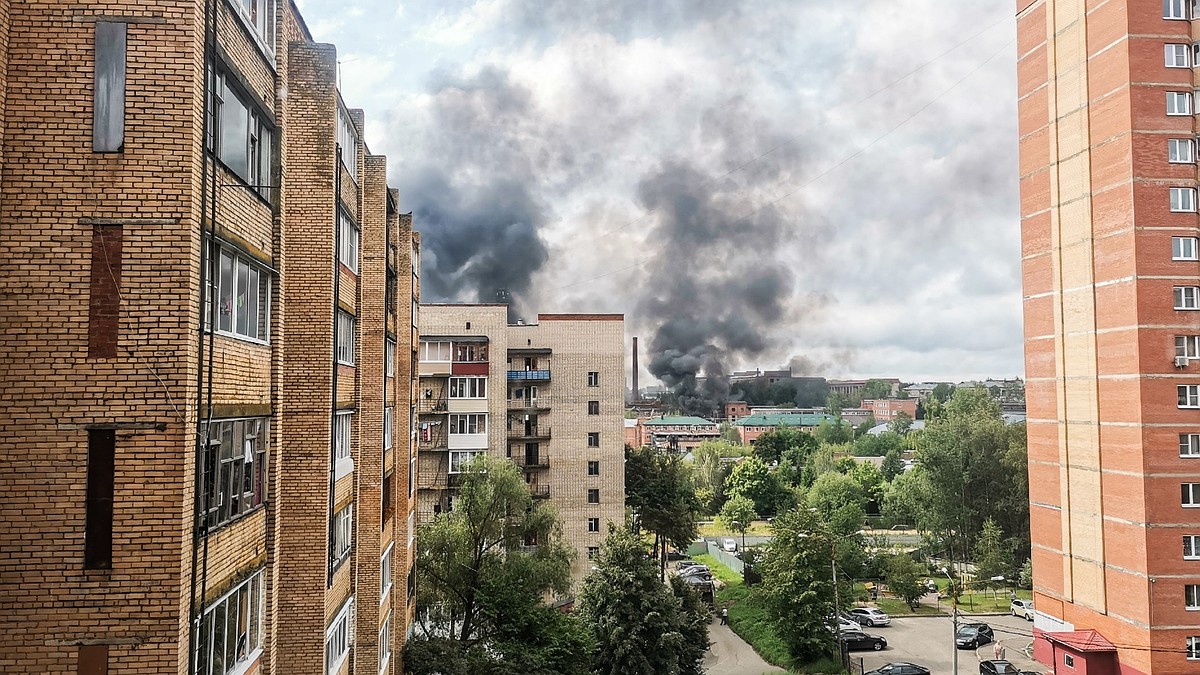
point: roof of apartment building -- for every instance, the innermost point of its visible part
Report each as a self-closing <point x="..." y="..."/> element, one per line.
<point x="678" y="421"/>
<point x="784" y="420"/>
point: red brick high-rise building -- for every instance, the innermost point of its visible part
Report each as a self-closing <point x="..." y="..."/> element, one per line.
<point x="1107" y="103"/>
<point x="207" y="313"/>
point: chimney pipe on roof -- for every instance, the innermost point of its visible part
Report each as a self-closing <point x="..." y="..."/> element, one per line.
<point x="635" y="396"/>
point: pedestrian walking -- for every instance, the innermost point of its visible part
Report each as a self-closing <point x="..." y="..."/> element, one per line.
<point x="998" y="651"/>
<point x="725" y="617"/>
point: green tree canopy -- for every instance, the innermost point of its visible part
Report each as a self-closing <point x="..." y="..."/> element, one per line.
<point x="774" y="444"/>
<point x="903" y="577"/>
<point x="901" y="423"/>
<point x="992" y="557"/>
<point x="752" y="479"/>
<point x="659" y="489"/>
<point x="832" y="433"/>
<point x="709" y="473"/>
<point x="875" y="389"/>
<point x="639" y="625"/>
<point x="877" y="445"/>
<point x="892" y="465"/>
<point x="738" y="513"/>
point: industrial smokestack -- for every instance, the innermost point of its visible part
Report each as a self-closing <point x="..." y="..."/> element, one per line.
<point x="636" y="396"/>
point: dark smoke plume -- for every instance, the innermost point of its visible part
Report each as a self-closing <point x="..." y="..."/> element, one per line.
<point x="715" y="284"/>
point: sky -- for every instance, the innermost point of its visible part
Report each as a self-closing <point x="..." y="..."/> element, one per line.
<point x="830" y="185"/>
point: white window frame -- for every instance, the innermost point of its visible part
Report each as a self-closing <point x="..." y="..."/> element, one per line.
<point x="1179" y="103"/>
<point x="436" y="351"/>
<point x="1188" y="395"/>
<point x="389" y="420"/>
<point x="385" y="643"/>
<point x="259" y="138"/>
<point x="1191" y="542"/>
<point x="1184" y="248"/>
<point x="1191" y="597"/>
<point x="385" y="573"/>
<point x="259" y="17"/>
<point x="1183" y="200"/>
<point x="258" y="278"/>
<point x="1189" y="495"/>
<point x="412" y="477"/>
<point x="348" y="236"/>
<point x="389" y="358"/>
<point x="339" y="637"/>
<point x="467" y="387"/>
<point x="468" y="423"/>
<point x="343" y="459"/>
<point x="1187" y="346"/>
<point x="252" y="591"/>
<point x="1187" y="297"/>
<point x="593" y="525"/>
<point x="347" y="139"/>
<point x="593" y="378"/>
<point x="342" y="540"/>
<point x="1176" y="55"/>
<point x="345" y="338"/>
<point x="412" y="529"/>
<point x="460" y="460"/>
<point x="1181" y="151"/>
<point x="1176" y="10"/>
<point x="1193" y="648"/>
<point x="1189" y="445"/>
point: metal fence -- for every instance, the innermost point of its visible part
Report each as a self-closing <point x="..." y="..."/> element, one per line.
<point x="726" y="559"/>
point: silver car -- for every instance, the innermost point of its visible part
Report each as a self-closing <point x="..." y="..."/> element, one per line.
<point x="1022" y="608"/>
<point x="870" y="616"/>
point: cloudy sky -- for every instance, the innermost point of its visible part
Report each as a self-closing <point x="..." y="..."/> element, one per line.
<point x="830" y="184"/>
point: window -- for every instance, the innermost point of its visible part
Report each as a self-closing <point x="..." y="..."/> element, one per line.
<point x="1181" y="150"/>
<point x="1191" y="597"/>
<point x="593" y="439"/>
<point x="1193" y="648"/>
<point x="1175" y="56"/>
<point x="1175" y="9"/>
<point x="1189" y="445"/>
<point x="98" y="509"/>
<point x="593" y="496"/>
<point x="470" y="352"/>
<point x="1190" y="494"/>
<point x="385" y="643"/>
<point x="387" y="498"/>
<point x="348" y="233"/>
<point x="1068" y="660"/>
<point x="1187" y="346"/>
<point x="461" y="459"/>
<point x="1189" y="395"/>
<point x="592" y="552"/>
<point x="468" y="387"/>
<point x="593" y="378"/>
<point x="593" y="407"/>
<point x="1183" y="200"/>
<point x="240" y="135"/>
<point x="385" y="573"/>
<point x="343" y="463"/>
<point x="474" y="423"/>
<point x="1187" y="297"/>
<point x="412" y="526"/>
<point x="108" y="103"/>
<point x="1179" y="103"/>
<point x="347" y="139"/>
<point x="343" y="535"/>
<point x="231" y="635"/>
<point x="345" y="338"/>
<point x="389" y="358"/>
<point x="242" y="288"/>
<point x="435" y="351"/>
<point x="593" y="468"/>
<point x="337" y="639"/>
<point x="412" y="477"/>
<point x="1183" y="248"/>
<point x="233" y="473"/>
<point x="389" y="417"/>
<point x="1191" y="547"/>
<point x="593" y="524"/>
<point x="259" y="17"/>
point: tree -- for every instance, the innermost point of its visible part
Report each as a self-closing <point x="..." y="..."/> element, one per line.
<point x="639" y="625"/>
<point x="903" y="577"/>
<point x="772" y="445"/>
<point x="942" y="392"/>
<point x="752" y="479"/>
<point x="991" y="559"/>
<point x="874" y="389"/>
<point x="1025" y="578"/>
<point x="730" y="433"/>
<point x="877" y="445"/>
<point x="836" y="403"/>
<point x="832" y="433"/>
<point x="475" y="575"/>
<point x="708" y="473"/>
<point x="907" y="499"/>
<point x="693" y="625"/>
<point x="900" y="423"/>
<point x="866" y="427"/>
<point x="659" y="490"/>
<point x="737" y="514"/>
<point x="871" y="481"/>
<point x="892" y="465"/>
<point x="796" y="586"/>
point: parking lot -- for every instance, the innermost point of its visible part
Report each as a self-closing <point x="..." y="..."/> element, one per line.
<point x="927" y="641"/>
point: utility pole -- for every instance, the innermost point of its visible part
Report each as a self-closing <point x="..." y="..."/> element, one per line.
<point x="954" y="614"/>
<point x="837" y="605"/>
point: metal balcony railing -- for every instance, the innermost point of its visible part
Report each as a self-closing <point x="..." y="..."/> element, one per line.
<point x="539" y="491"/>
<point x="527" y="460"/>
<point x="540" y="375"/>
<point x="431" y="440"/>
<point x="528" y="403"/>
<point x="431" y="405"/>
<point x="523" y="433"/>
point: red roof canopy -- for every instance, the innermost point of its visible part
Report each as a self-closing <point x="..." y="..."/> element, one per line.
<point x="1082" y="640"/>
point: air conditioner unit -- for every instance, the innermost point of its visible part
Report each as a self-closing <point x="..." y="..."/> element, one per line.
<point x="1181" y="361"/>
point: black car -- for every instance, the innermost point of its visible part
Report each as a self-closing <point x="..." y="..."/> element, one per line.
<point x="972" y="635"/>
<point x="899" y="668"/>
<point x="998" y="667"/>
<point x="856" y="639"/>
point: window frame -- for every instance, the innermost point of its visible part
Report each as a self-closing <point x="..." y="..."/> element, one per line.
<point x="593" y="525"/>
<point x="593" y="407"/>
<point x="1174" y="156"/>
<point x="341" y="541"/>
<point x="475" y="387"/>
<point x="252" y="592"/>
<point x="389" y="426"/>
<point x="385" y="643"/>
<point x="1191" y="442"/>
<point x="593" y="464"/>
<point x="389" y="358"/>
<point x="1176" y="10"/>
<point x="593" y="493"/>
<point x="349" y="239"/>
<point x="347" y="140"/>
<point x="214" y="297"/>
<point x="1189" y="495"/>
<point x="592" y="552"/>
<point x="1188" y="396"/>
<point x="1194" y="541"/>
<point x="259" y="22"/>
<point x="339" y="634"/>
<point x="1193" y="648"/>
<point x="1182" y="199"/>
<point x="425" y="348"/>
<point x="458" y="464"/>
<point x="219" y="505"/>
<point x="1186" y="298"/>
<point x="385" y="572"/>
<point x="1178" y="246"/>
<point x="261" y="132"/>
<point x="1191" y="597"/>
<point x="472" y="423"/>
<point x="346" y="327"/>
<point x="343" y="440"/>
<point x="593" y="378"/>
<point x="1179" y="103"/>
<point x="1171" y="54"/>
<point x="593" y="439"/>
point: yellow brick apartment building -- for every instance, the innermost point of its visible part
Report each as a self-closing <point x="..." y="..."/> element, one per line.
<point x="548" y="395"/>
<point x="208" y="303"/>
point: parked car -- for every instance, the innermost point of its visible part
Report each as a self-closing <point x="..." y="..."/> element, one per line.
<point x="899" y="668"/>
<point x="972" y="635"/>
<point x="729" y="545"/>
<point x="846" y="625"/>
<point x="870" y="616"/>
<point x="856" y="639"/>
<point x="684" y="564"/>
<point x="1022" y="608"/>
<point x="998" y="667"/>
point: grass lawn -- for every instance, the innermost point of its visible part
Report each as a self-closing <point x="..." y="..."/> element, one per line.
<point x="749" y="619"/>
<point x="758" y="528"/>
<point x="898" y="607"/>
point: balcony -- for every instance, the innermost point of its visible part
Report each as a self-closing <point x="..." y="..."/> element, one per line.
<point x="539" y="491"/>
<point x="432" y="439"/>
<point x="532" y="460"/>
<point x="431" y="406"/>
<point x="439" y="480"/>
<point x="527" y="404"/>
<point x="538" y="433"/>
<point x="541" y="375"/>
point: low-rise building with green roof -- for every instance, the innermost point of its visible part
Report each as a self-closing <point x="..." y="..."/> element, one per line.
<point x="753" y="426"/>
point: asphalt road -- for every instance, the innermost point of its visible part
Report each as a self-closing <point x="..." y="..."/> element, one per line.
<point x="927" y="641"/>
<point x="730" y="655"/>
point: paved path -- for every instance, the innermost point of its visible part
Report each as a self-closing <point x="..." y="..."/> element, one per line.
<point x="730" y="655"/>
